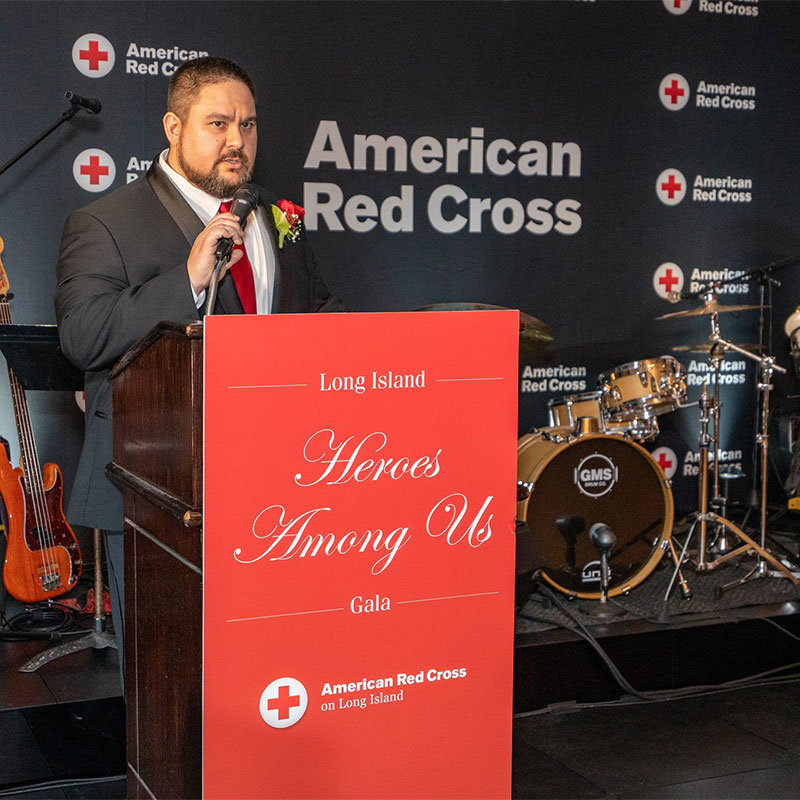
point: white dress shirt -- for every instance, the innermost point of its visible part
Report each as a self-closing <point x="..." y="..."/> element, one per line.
<point x="257" y="241"/>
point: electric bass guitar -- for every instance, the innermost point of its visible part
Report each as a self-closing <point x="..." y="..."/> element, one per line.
<point x="43" y="558"/>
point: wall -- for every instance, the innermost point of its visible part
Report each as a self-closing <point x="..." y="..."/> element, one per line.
<point x="572" y="231"/>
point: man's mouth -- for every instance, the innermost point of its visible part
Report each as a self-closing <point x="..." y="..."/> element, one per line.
<point x="234" y="160"/>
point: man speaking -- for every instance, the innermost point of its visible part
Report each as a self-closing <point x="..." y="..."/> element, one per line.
<point x="146" y="253"/>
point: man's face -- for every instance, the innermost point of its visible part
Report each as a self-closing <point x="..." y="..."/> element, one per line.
<point x="214" y="147"/>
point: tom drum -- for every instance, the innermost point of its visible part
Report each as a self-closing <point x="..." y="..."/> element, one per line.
<point x="644" y="389"/>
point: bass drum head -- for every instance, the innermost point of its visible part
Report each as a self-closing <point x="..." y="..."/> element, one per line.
<point x="594" y="479"/>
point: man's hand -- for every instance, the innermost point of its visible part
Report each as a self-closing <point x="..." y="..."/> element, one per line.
<point x="200" y="263"/>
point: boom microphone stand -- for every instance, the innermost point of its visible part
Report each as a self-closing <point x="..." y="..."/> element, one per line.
<point x="88" y="104"/>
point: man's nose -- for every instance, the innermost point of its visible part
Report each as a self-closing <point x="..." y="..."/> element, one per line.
<point x="234" y="139"/>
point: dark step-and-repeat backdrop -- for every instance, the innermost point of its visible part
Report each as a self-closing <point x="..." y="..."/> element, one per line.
<point x="577" y="160"/>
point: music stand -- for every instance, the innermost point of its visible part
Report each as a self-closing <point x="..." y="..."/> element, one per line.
<point x="34" y="353"/>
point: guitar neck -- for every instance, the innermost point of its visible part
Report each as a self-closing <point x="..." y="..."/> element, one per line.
<point x="29" y="458"/>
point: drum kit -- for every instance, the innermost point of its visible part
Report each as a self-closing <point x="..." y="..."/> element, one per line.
<point x="600" y="508"/>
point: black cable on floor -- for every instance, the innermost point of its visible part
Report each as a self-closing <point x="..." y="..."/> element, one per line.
<point x="65" y="783"/>
<point x="580" y="629"/>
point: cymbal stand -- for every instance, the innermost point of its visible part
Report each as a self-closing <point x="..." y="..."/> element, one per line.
<point x="719" y="502"/>
<point x="705" y="516"/>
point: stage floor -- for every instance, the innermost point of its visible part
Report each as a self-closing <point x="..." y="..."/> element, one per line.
<point x="579" y="730"/>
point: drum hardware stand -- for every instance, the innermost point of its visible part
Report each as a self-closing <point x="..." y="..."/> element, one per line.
<point x="704" y="516"/>
<point x="721" y="543"/>
<point x="686" y="592"/>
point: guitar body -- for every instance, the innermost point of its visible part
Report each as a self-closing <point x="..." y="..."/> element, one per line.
<point x="42" y="561"/>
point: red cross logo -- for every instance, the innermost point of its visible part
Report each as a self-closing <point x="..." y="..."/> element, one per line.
<point x="283" y="702"/>
<point x="677" y="6"/>
<point x="667" y="278"/>
<point x="671" y="187"/>
<point x="94" y="169"/>
<point x="666" y="459"/>
<point x="94" y="55"/>
<point x="673" y="91"/>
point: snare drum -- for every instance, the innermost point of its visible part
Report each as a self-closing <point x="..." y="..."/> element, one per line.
<point x="643" y="389"/>
<point x="580" y="481"/>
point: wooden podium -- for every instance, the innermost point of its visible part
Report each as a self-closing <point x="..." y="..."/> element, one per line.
<point x="158" y="464"/>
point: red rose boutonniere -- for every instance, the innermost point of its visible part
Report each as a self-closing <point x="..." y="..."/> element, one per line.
<point x="288" y="220"/>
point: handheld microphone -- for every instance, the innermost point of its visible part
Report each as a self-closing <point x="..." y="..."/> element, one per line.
<point x="91" y="105"/>
<point x="245" y="199"/>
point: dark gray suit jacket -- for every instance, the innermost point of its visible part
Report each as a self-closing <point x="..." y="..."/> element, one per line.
<point x="121" y="271"/>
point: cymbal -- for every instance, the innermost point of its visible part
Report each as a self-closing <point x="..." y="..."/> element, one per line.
<point x="712" y="307"/>
<point x="706" y="347"/>
<point x="533" y="333"/>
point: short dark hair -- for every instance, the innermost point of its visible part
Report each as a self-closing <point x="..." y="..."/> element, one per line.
<point x="188" y="80"/>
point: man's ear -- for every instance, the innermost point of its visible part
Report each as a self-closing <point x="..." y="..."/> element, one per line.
<point x="172" y="127"/>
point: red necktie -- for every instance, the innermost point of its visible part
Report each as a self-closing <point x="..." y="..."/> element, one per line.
<point x="242" y="272"/>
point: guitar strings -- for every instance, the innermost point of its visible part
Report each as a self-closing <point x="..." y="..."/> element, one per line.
<point x="35" y="484"/>
<point x="32" y="477"/>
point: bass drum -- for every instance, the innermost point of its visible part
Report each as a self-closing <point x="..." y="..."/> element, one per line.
<point x="578" y="482"/>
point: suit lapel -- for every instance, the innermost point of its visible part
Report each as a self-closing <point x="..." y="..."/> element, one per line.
<point x="180" y="211"/>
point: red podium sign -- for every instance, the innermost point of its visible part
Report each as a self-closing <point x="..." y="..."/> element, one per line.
<point x="360" y="489"/>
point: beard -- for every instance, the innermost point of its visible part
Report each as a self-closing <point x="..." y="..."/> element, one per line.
<point x="212" y="182"/>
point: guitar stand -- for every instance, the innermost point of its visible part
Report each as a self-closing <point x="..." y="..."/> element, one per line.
<point x="98" y="638"/>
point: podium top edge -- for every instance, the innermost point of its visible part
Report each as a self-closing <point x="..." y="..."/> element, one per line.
<point x="181" y="330"/>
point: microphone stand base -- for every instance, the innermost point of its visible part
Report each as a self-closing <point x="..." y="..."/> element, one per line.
<point x="600" y="610"/>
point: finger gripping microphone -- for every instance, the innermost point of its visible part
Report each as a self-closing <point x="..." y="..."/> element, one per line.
<point x="245" y="199"/>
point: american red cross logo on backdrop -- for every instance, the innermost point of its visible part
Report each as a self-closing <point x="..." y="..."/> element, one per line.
<point x="677" y="7"/>
<point x="671" y="187"/>
<point x="94" y="170"/>
<point x="667" y="278"/>
<point x="283" y="702"/>
<point x="674" y="91"/>
<point x="93" y="55"/>
<point x="666" y="459"/>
